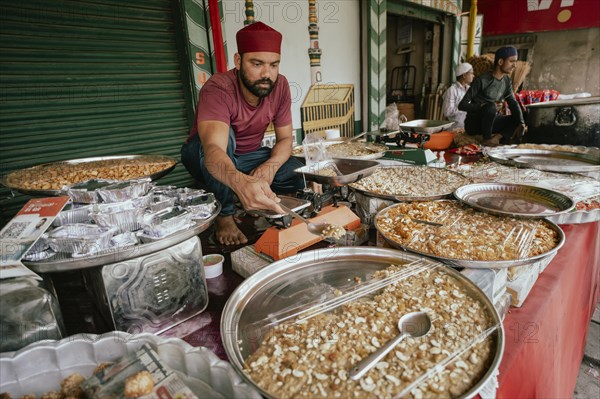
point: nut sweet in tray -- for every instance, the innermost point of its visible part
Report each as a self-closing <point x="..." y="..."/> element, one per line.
<point x="464" y="233"/>
<point x="311" y="358"/>
<point x="56" y="175"/>
<point x="419" y="181"/>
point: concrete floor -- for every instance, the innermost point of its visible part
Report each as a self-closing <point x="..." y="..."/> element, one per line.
<point x="588" y="380"/>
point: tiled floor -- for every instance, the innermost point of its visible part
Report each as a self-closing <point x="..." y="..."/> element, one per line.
<point x="588" y="380"/>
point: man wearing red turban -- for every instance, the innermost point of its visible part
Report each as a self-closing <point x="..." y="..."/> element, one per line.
<point x="224" y="150"/>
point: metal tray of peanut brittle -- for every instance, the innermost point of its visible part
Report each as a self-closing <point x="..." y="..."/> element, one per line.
<point x="13" y="180"/>
<point x="410" y="183"/>
<point x="289" y="292"/>
<point x="445" y="230"/>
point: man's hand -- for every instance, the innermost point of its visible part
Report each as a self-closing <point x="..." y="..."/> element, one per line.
<point x="255" y="193"/>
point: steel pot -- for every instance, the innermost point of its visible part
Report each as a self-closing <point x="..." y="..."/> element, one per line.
<point x="575" y="122"/>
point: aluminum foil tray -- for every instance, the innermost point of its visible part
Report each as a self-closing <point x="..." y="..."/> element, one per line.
<point x="338" y="172"/>
<point x="166" y="222"/>
<point x="547" y="160"/>
<point x="425" y="126"/>
<point x="124" y="191"/>
<point x="62" y="262"/>
<point x="314" y="279"/>
<point x="86" y="192"/>
<point x="410" y="183"/>
<point x="73" y="214"/>
<point x="40" y="367"/>
<point x="517" y="200"/>
<point x="80" y="238"/>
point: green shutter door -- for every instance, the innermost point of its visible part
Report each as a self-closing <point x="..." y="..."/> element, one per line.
<point x="88" y="78"/>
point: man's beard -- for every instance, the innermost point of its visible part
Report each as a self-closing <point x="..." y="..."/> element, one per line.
<point x="253" y="86"/>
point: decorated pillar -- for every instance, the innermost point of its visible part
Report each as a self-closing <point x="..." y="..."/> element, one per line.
<point x="314" y="52"/>
<point x="376" y="53"/>
<point x="249" y="12"/>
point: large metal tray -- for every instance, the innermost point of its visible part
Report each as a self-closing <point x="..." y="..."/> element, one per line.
<point x="149" y="158"/>
<point x="547" y="160"/>
<point x="424" y="126"/>
<point x="417" y="170"/>
<point x="307" y="276"/>
<point x="518" y="200"/>
<point x="350" y="170"/>
<point x="375" y="151"/>
<point x="576" y="217"/>
<point x="477" y="264"/>
<point x="63" y="262"/>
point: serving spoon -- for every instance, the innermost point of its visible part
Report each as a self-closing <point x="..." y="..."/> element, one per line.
<point x="415" y="324"/>
<point x="316" y="229"/>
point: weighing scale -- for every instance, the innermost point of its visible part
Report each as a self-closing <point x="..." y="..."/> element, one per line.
<point x="415" y="133"/>
<point x="287" y="236"/>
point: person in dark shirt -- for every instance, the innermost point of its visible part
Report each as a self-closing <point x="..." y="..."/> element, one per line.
<point x="485" y="97"/>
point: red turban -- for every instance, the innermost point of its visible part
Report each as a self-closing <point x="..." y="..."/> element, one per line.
<point x="258" y="37"/>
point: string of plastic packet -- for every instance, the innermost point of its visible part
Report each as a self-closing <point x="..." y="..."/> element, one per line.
<point x="454" y="356"/>
<point x="302" y="313"/>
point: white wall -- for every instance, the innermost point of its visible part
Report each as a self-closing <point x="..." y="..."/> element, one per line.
<point x="339" y="35"/>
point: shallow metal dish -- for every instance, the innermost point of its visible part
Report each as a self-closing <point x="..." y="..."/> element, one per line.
<point x="41" y="366"/>
<point x="302" y="280"/>
<point x="295" y="204"/>
<point x="411" y="197"/>
<point x="154" y="176"/>
<point x="477" y="264"/>
<point x="517" y="200"/>
<point x="63" y="262"/>
<point x="350" y="170"/>
<point x="547" y="160"/>
<point x="425" y="126"/>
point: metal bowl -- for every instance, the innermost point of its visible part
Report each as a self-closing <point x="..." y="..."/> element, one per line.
<point x="305" y="280"/>
<point x="51" y="192"/>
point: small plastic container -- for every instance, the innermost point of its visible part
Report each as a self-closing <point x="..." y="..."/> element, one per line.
<point x="213" y="265"/>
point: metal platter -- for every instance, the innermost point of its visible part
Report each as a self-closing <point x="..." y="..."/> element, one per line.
<point x="476" y="264"/>
<point x="516" y="200"/>
<point x="577" y="217"/>
<point x="427" y="126"/>
<point x="423" y="175"/>
<point x="309" y="277"/>
<point x="295" y="204"/>
<point x="547" y="160"/>
<point x="4" y="180"/>
<point x="340" y="172"/>
<point x="374" y="151"/>
<point x="63" y="262"/>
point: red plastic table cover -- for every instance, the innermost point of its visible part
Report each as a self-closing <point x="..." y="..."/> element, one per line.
<point x="545" y="338"/>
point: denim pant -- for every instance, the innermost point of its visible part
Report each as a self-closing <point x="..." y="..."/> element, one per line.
<point x="487" y="121"/>
<point x="192" y="157"/>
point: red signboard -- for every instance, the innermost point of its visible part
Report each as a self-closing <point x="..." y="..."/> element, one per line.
<point x="504" y="17"/>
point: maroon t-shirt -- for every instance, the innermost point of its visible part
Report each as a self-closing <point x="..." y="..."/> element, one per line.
<point x="221" y="99"/>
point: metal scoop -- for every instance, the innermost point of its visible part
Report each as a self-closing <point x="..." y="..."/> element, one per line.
<point x="316" y="229"/>
<point x="414" y="325"/>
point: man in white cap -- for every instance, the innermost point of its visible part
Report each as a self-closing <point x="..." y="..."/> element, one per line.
<point x="224" y="150"/>
<point x="456" y="92"/>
